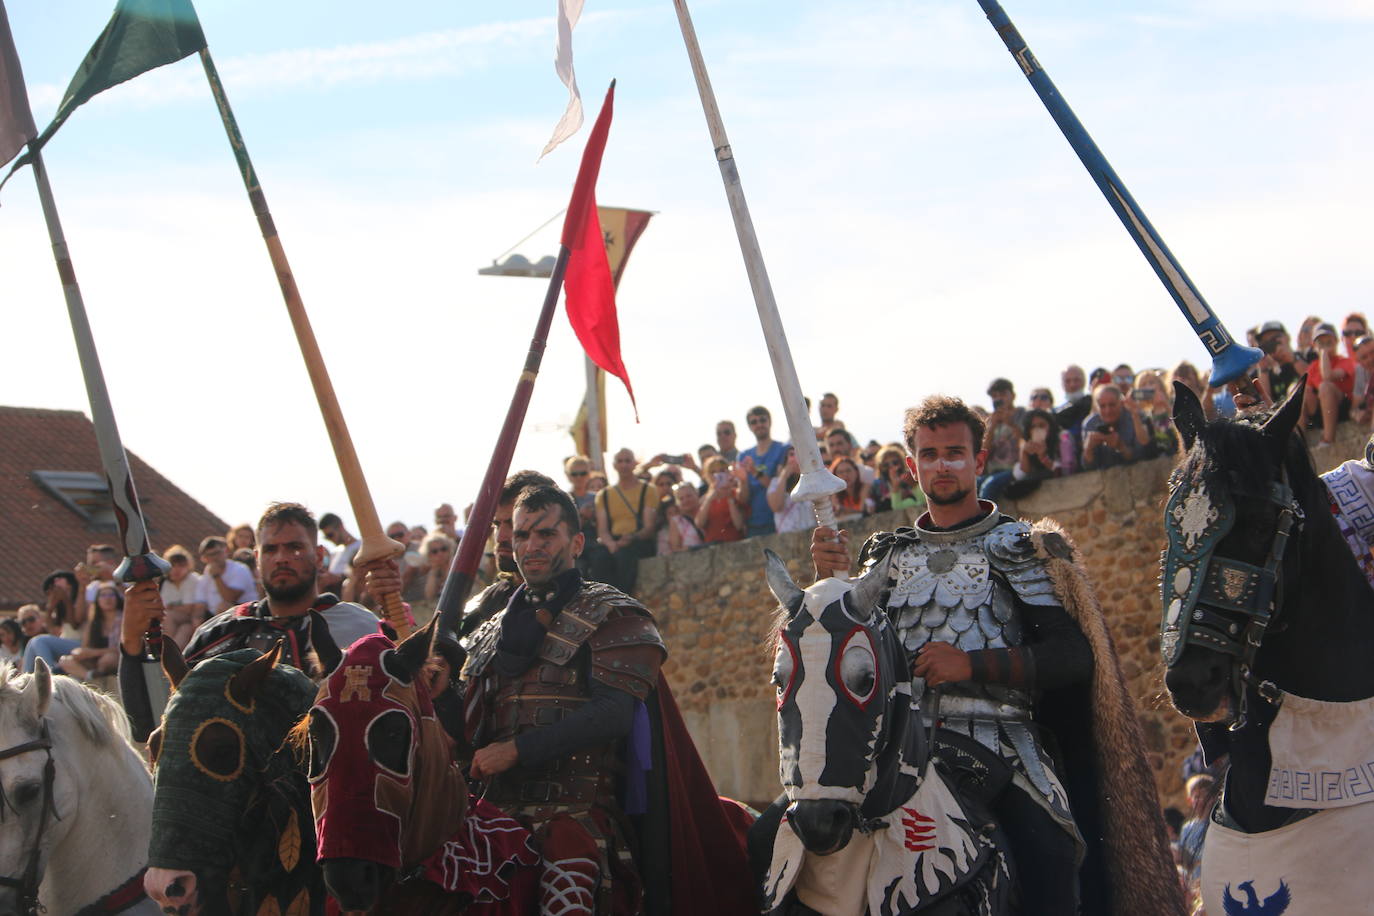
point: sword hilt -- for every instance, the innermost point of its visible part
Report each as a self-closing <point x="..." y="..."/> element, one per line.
<point x="144" y="567"/>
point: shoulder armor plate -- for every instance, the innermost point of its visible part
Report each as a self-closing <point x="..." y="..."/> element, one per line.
<point x="481" y="646"/>
<point x="881" y="543"/>
<point x="580" y="618"/>
<point x="627" y="652"/>
<point x="1012" y="554"/>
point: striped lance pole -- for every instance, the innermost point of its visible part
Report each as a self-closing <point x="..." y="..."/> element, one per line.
<point x="1230" y="359"/>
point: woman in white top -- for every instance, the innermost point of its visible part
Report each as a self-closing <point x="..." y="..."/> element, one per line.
<point x="789" y="514"/>
<point x="184" y="612"/>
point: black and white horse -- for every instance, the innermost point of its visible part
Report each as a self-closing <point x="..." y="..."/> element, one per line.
<point x="1265" y="613"/>
<point x="868" y="824"/>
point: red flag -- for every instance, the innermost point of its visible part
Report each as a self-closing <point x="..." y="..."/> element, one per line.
<point x="587" y="283"/>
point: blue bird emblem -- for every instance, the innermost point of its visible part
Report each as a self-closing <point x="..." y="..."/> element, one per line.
<point x="1273" y="905"/>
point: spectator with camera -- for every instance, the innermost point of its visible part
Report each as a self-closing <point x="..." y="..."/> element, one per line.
<point x="1330" y="385"/>
<point x="1152" y="400"/>
<point x="721" y="515"/>
<point x="1002" y="439"/>
<point x="789" y="514"/>
<point x="1113" y="433"/>
<point x="1353" y="328"/>
<point x="895" y="488"/>
<point x="1362" y="410"/>
<point x="1282" y="368"/>
<point x="760" y="463"/>
<point x="1039" y="450"/>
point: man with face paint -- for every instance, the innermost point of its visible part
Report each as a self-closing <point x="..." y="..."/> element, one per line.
<point x="988" y="637"/>
<point x="494" y="597"/>
<point x="314" y="627"/>
<point x="563" y="696"/>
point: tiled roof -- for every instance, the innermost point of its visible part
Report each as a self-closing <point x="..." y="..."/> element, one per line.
<point x="38" y="533"/>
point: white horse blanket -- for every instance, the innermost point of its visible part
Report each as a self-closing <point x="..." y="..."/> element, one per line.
<point x="1319" y="866"/>
<point x="925" y="849"/>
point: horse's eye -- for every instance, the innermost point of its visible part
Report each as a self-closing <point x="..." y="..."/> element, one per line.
<point x="388" y="742"/>
<point x="217" y="749"/>
<point x="155" y="745"/>
<point x="324" y="737"/>
<point x="858" y="669"/>
<point x="27" y="793"/>
<point x="784" y="669"/>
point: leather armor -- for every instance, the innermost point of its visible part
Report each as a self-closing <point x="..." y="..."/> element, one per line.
<point x="961" y="587"/>
<point x="600" y="635"/>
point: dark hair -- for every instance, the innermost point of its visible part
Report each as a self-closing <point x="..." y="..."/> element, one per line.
<point x="9" y="623"/>
<point x="542" y="496"/>
<point x="941" y="410"/>
<point x="211" y="543"/>
<point x="758" y="411"/>
<point x="329" y="520"/>
<point x="105" y="550"/>
<point x="279" y="514"/>
<point x="518" y="482"/>
<point x="50" y="578"/>
<point x="1173" y="818"/>
<point x="1000" y="384"/>
<point x="1035" y="413"/>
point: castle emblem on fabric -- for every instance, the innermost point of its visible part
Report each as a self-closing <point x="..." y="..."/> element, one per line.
<point x="1273" y="905"/>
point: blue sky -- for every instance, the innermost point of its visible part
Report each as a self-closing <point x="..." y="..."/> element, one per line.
<point x="926" y="227"/>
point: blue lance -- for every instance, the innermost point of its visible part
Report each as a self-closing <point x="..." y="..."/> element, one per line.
<point x="1229" y="358"/>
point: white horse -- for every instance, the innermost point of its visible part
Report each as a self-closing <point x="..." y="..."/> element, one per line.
<point x="75" y="800"/>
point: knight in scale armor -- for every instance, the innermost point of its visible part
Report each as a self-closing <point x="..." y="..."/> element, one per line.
<point x="978" y="600"/>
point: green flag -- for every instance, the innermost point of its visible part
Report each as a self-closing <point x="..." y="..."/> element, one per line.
<point x="142" y="35"/>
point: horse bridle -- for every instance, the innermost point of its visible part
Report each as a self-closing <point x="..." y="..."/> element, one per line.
<point x="27" y="884"/>
<point x="1223" y="585"/>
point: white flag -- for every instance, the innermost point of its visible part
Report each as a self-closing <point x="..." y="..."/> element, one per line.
<point x="569" y="11"/>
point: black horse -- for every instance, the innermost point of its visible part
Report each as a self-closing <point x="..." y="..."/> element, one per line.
<point x="1280" y="605"/>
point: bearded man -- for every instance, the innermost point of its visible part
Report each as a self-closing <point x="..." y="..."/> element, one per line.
<point x="1004" y="639"/>
<point x="578" y="738"/>
<point x="313" y="627"/>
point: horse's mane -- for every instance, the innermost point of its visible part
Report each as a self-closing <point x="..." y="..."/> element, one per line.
<point x="1235" y="450"/>
<point x="99" y="717"/>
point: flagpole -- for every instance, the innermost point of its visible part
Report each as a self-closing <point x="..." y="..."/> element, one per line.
<point x="463" y="573"/>
<point x="140" y="564"/>
<point x="816" y="484"/>
<point x="375" y="543"/>
<point x="595" y="447"/>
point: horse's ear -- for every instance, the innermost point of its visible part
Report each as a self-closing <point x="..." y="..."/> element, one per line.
<point x="1188" y="416"/>
<point x="1280" y="426"/>
<point x="414" y="650"/>
<point x="38" y="692"/>
<point x="780" y="582"/>
<point x="248" y="682"/>
<point x="173" y="663"/>
<point x="868" y="590"/>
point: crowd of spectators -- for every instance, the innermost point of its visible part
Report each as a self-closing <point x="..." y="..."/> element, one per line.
<point x="669" y="503"/>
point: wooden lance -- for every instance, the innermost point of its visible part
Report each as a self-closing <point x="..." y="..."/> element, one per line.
<point x="816" y="484"/>
<point x="463" y="573"/>
<point x="1230" y="359"/>
<point x="140" y="564"/>
<point x="375" y="544"/>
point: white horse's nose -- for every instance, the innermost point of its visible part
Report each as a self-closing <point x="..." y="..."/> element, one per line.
<point x="173" y="890"/>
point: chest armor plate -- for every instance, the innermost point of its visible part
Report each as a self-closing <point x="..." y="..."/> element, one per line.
<point x="947" y="592"/>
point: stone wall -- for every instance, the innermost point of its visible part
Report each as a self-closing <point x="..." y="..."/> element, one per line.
<point x="714" y="610"/>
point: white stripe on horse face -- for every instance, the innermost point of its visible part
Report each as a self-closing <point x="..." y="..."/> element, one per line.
<point x="815" y="702"/>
